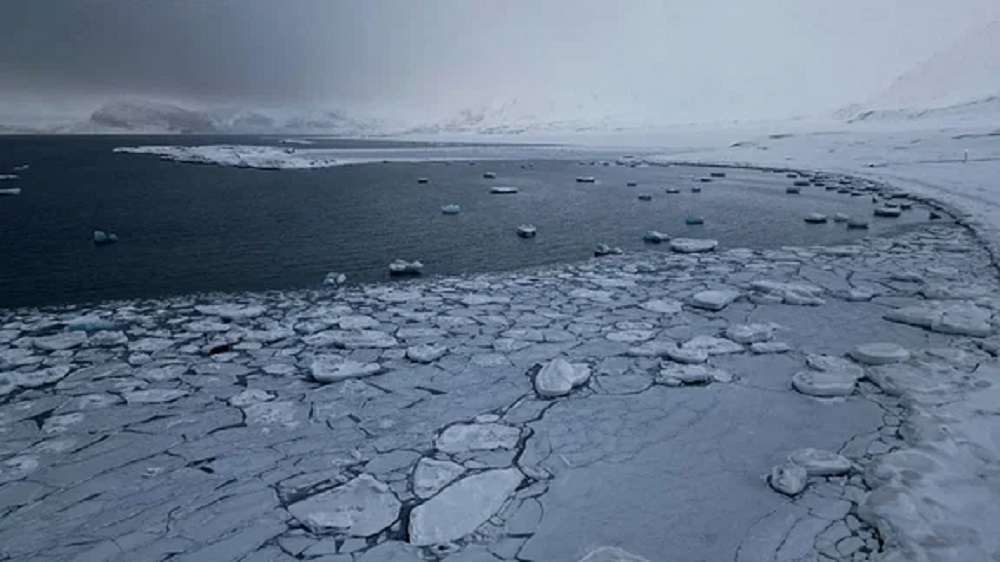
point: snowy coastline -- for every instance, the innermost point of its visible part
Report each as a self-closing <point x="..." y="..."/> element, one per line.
<point x="431" y="347"/>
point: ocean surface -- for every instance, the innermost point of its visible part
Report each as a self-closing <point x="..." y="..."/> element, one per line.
<point x="194" y="228"/>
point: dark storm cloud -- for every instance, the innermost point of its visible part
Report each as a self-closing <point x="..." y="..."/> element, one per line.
<point x="691" y="59"/>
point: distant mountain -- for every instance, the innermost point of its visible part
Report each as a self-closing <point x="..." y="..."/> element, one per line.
<point x="962" y="80"/>
<point x="153" y="117"/>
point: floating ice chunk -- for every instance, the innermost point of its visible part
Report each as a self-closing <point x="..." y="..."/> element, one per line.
<point x="604" y="250"/>
<point x="559" y="378"/>
<point x="694" y="220"/>
<point x="426" y="352"/>
<point x="461" y="508"/>
<point x="656" y="237"/>
<point x="489" y="175"/>
<point x="714" y="300"/>
<point x="857" y="224"/>
<point x="232" y="311"/>
<point x="101" y="237"/>
<point x="362" y="507"/>
<point x="503" y="190"/>
<point x="818" y="462"/>
<point x="423" y="180"/>
<point x="824" y="384"/>
<point x="815" y="218"/>
<point x="688" y="355"/>
<point x="692" y="245"/>
<point x="686" y="375"/>
<point x="10" y="191"/>
<point x="403" y="267"/>
<point x="662" y="306"/>
<point x="769" y="347"/>
<point x="585" y="179"/>
<point x="451" y="209"/>
<point x="887" y="212"/>
<point x="645" y="197"/>
<point x="334" y="279"/>
<point x="463" y="438"/>
<point x="794" y="190"/>
<point x="750" y="333"/>
<point x="526" y="231"/>
<point x="333" y="368"/>
<point x="879" y="353"/>
<point x="673" y="190"/>
<point x="431" y="475"/>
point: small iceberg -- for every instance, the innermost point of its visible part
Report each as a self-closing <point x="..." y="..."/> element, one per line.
<point x="857" y="224"/>
<point x="526" y="231"/>
<point x="800" y="183"/>
<point x="102" y="238"/>
<point x="705" y="180"/>
<point x="451" y="209"/>
<point x="21" y="168"/>
<point x="815" y="218"/>
<point x="718" y="174"/>
<point x="695" y="189"/>
<point x="9" y="176"/>
<point x="906" y="205"/>
<point x="334" y="279"/>
<point x="605" y="250"/>
<point x="423" y="180"/>
<point x="673" y="190"/>
<point x="490" y="175"/>
<point x="10" y="191"/>
<point x="631" y="184"/>
<point x="503" y="190"/>
<point x="888" y="212"/>
<point x="403" y="267"/>
<point x="793" y="190"/>
<point x="585" y="179"/>
<point x="645" y="197"/>
<point x="841" y="217"/>
<point x="656" y="237"/>
<point x="694" y="220"/>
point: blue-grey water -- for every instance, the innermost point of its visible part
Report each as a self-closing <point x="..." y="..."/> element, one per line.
<point x="188" y="228"/>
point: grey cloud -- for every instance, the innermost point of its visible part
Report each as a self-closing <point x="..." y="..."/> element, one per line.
<point x="672" y="60"/>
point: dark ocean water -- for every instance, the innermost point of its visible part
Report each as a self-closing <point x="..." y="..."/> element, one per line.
<point x="188" y="228"/>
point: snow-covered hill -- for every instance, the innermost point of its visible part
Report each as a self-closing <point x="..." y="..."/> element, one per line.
<point x="516" y="116"/>
<point x="960" y="83"/>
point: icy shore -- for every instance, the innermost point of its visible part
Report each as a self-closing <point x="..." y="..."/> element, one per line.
<point x="401" y="421"/>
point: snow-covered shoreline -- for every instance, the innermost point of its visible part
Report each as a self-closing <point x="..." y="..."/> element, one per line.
<point x="926" y="478"/>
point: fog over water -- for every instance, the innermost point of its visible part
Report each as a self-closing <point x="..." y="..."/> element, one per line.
<point x="652" y="60"/>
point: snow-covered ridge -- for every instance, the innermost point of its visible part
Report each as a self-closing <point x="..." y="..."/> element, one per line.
<point x="288" y="158"/>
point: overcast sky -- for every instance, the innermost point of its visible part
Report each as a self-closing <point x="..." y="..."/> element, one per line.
<point x="670" y="60"/>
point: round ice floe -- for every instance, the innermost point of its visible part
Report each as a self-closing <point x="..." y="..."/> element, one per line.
<point x="694" y="220"/>
<point x="789" y="479"/>
<point x="818" y="462"/>
<point x="824" y="384"/>
<point x="879" y="353"/>
<point x="687" y="355"/>
<point x="841" y="217"/>
<point x="857" y="224"/>
<point x="451" y="209"/>
<point x="692" y="245"/>
<point x="645" y="197"/>
<point x="815" y="218"/>
<point x="335" y="279"/>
